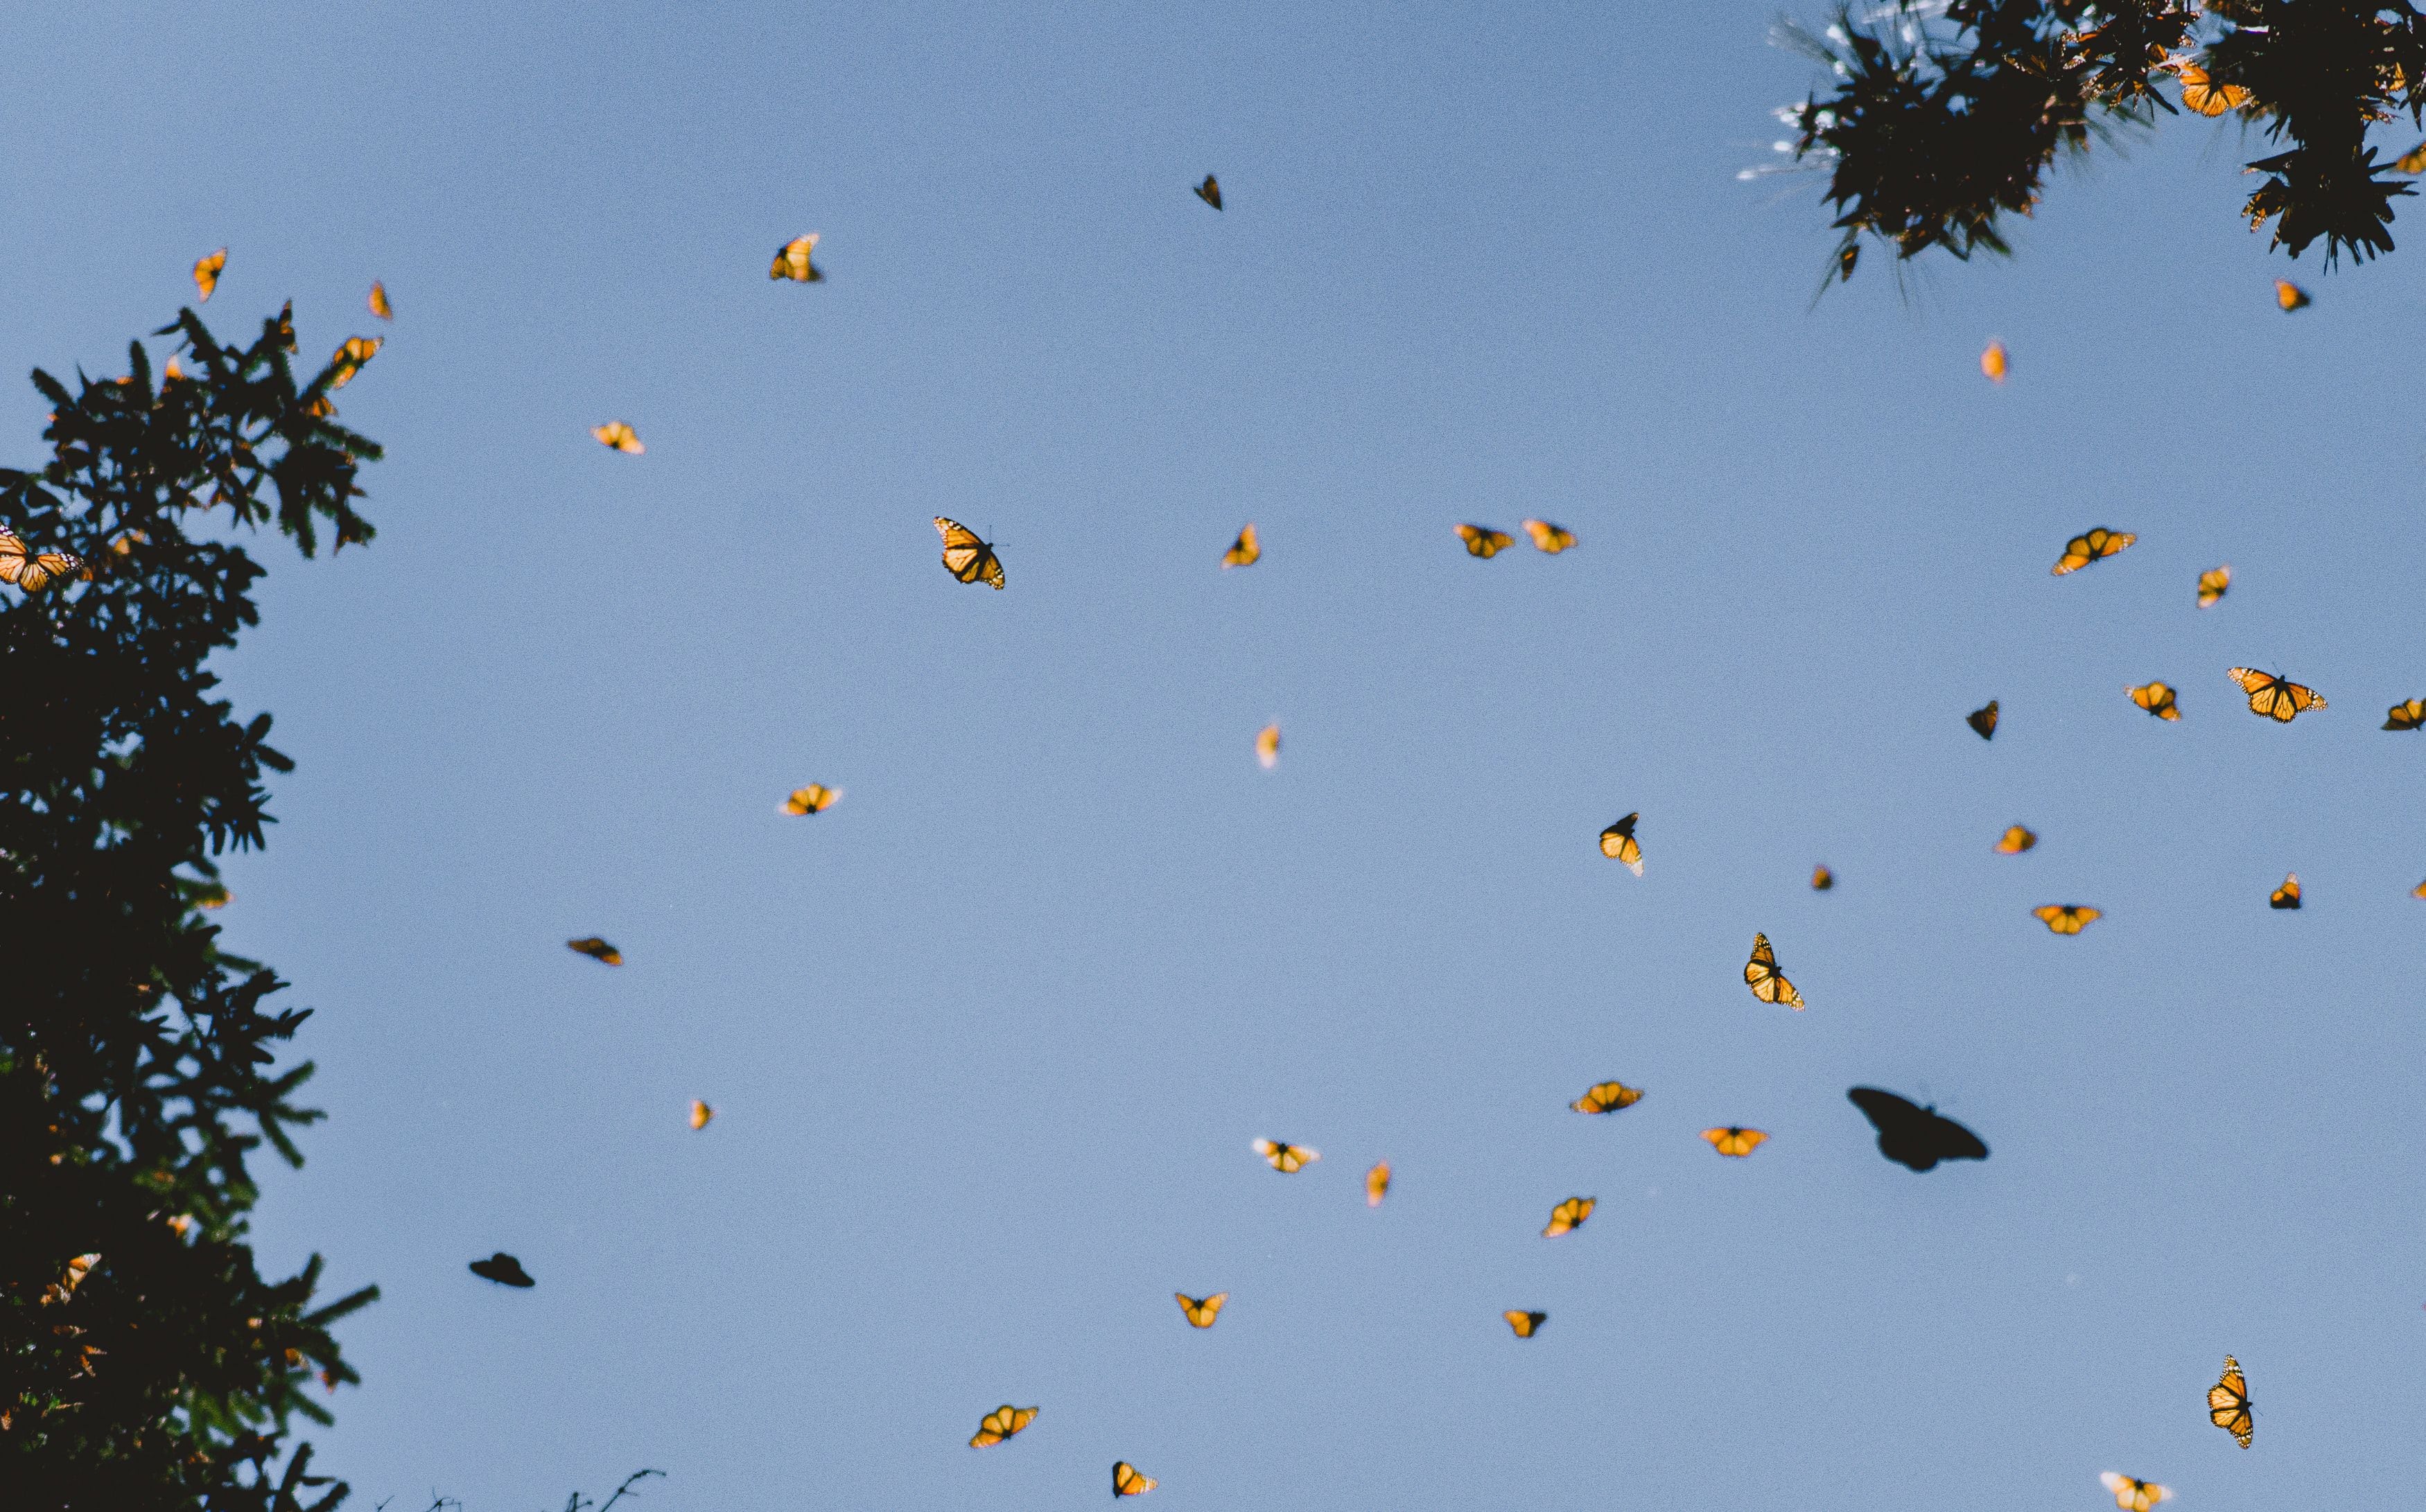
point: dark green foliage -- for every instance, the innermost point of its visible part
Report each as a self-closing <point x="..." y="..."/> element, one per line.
<point x="136" y="1057"/>
<point x="1944" y="120"/>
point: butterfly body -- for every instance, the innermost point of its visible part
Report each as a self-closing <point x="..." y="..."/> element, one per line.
<point x="207" y="273"/>
<point x="965" y="556"/>
<point x="2272" y="696"/>
<point x="1913" y="1136"/>
<point x="2133" y="1495"/>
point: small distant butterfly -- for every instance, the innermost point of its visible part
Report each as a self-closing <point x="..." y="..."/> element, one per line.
<point x="1244" y="551"/>
<point x="2212" y="584"/>
<point x="1548" y="537"/>
<point x="1002" y="1423"/>
<point x="792" y="261"/>
<point x="34" y="571"/>
<point x="618" y="436"/>
<point x="2015" y="841"/>
<point x="350" y="359"/>
<point x="2290" y="296"/>
<point x="2064" y="918"/>
<point x="2227" y="1402"/>
<point x="1287" y="1158"/>
<point x="1734" y="1141"/>
<point x="2287" y="896"/>
<point x="815" y="798"/>
<point x="2272" y="696"/>
<point x="1127" y="1481"/>
<point x="207" y="273"/>
<point x="1377" y="1184"/>
<point x="1994" y="363"/>
<point x="2203" y="94"/>
<point x="1761" y="976"/>
<point x="1481" y="541"/>
<point x="1201" y="1310"/>
<point x="2418" y="892"/>
<point x="1822" y="879"/>
<point x="1607" y="1097"/>
<point x="504" y="1269"/>
<point x="1983" y="720"/>
<point x="700" y="1114"/>
<point x="1210" y="192"/>
<point x="2136" y="1495"/>
<point x="2096" y="545"/>
<point x="2409" y="716"/>
<point x="1525" y="1322"/>
<point x="2157" y="697"/>
<point x="1569" y="1215"/>
<point x="213" y="895"/>
<point x="597" y="950"/>
<point x="1914" y="1136"/>
<point x="1267" y="747"/>
<point x="1618" y="844"/>
<point x="965" y="556"/>
<point x="2412" y="161"/>
<point x="378" y="304"/>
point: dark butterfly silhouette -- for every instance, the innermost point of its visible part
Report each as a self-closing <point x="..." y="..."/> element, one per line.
<point x="504" y="1269"/>
<point x="1210" y="192"/>
<point x="1914" y="1136"/>
<point x="1983" y="720"/>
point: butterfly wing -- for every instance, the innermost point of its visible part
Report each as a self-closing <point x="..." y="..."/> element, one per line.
<point x="1377" y="1184"/>
<point x="1245" y="550"/>
<point x="1210" y="192"/>
<point x="2409" y="716"/>
<point x="1984" y="721"/>
<point x="1128" y="1481"/>
<point x="1525" y="1322"/>
<point x="2287" y="896"/>
<point x="1618" y="844"/>
<point x="2227" y="1402"/>
<point x="207" y="273"/>
<point x="1548" y="537"/>
<point x="2212" y="584"/>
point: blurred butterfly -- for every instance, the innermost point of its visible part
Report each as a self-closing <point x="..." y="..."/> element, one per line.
<point x="2409" y="716"/>
<point x="1915" y="1137"/>
<point x="2015" y="841"/>
<point x="2287" y="896"/>
<point x="2227" y="1402"/>
<point x="1481" y="541"/>
<point x="2290" y="296"/>
<point x="597" y="950"/>
<point x="700" y="1114"/>
<point x="1377" y="1184"/>
<point x="1822" y="879"/>
<point x="1201" y="1310"/>
<point x="1618" y="844"/>
<point x="78" y="1268"/>
<point x="1287" y="1158"/>
<point x="2096" y="545"/>
<point x="2418" y="892"/>
<point x="620" y="436"/>
<point x="1983" y="720"/>
<point x="207" y="273"/>
<point x="378" y="304"/>
<point x="2134" y="1495"/>
<point x="1607" y="1097"/>
<point x="815" y="798"/>
<point x="1734" y="1141"/>
<point x="213" y="895"/>
<point x="792" y="261"/>
<point x="1267" y="747"/>
<point x="1244" y="551"/>
<point x="2274" y="697"/>
<point x="2203" y="94"/>
<point x="1548" y="537"/>
<point x="504" y="1269"/>
<point x="966" y="557"/>
<point x="1525" y="1322"/>
<point x="34" y="570"/>
<point x="1127" y="1481"/>
<point x="1002" y="1423"/>
<point x="1569" y="1215"/>
<point x="2064" y="918"/>
<point x="1761" y="976"/>
<point x="1992" y="361"/>
<point x="2212" y="584"/>
<point x="2412" y="161"/>
<point x="350" y="359"/>
<point x="2157" y="697"/>
<point x="1210" y="192"/>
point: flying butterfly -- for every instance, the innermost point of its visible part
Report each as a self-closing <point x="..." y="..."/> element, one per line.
<point x="1569" y="1215"/>
<point x="2064" y="918"/>
<point x="1822" y="879"/>
<point x="1285" y="1157"/>
<point x="2095" y="544"/>
<point x="2418" y="892"/>
<point x="966" y="557"/>
<point x="2015" y="841"/>
<point x="618" y="436"/>
<point x="2157" y="697"/>
<point x="213" y="895"/>
<point x="1761" y="976"/>
<point x="2290" y="297"/>
<point x="2412" y="161"/>
<point x="1000" y="1423"/>
<point x="2213" y="583"/>
<point x="1984" y="721"/>
<point x="2201" y="93"/>
<point x="1201" y="1310"/>
<point x="1377" y="1184"/>
<point x="1525" y="1322"/>
<point x="504" y="1269"/>
<point x="1607" y="1097"/>
<point x="2287" y="896"/>
<point x="597" y="950"/>
<point x="207" y="273"/>
<point x="1267" y="747"/>
<point x="1734" y="1141"/>
<point x="350" y="359"/>
<point x="2227" y="1402"/>
<point x="1210" y="192"/>
<point x="2274" y="697"/>
<point x="700" y="1114"/>
<point x="1913" y="1136"/>
<point x="1618" y="844"/>
<point x="2134" y="1495"/>
<point x="1994" y="363"/>
<point x="2409" y="716"/>
<point x="377" y="301"/>
<point x="34" y="571"/>
<point x="1243" y="552"/>
<point x="1548" y="537"/>
<point x="815" y="798"/>
<point x="792" y="261"/>
<point x="1127" y="1481"/>
<point x="1481" y="541"/>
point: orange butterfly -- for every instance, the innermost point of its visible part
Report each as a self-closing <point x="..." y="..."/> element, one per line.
<point x="2212" y="584"/>
<point x="2203" y="94"/>
<point x="1618" y="844"/>
<point x="792" y="261"/>
<point x="1127" y="1481"/>
<point x="2157" y="699"/>
<point x="1210" y="192"/>
<point x="2227" y="1402"/>
<point x="1548" y="537"/>
<point x="207" y="273"/>
<point x="1734" y="1141"/>
<point x="1569" y="1215"/>
<point x="378" y="304"/>
<point x="350" y="359"/>
<point x="1002" y="1423"/>
<point x="1984" y="721"/>
<point x="618" y="436"/>
<point x="1201" y="1310"/>
<point x="2095" y="544"/>
<point x="1244" y="551"/>
<point x="2287" y="896"/>
<point x="2015" y="841"/>
<point x="2064" y="918"/>
<point x="597" y="950"/>
<point x="1525" y="1322"/>
<point x="2290" y="296"/>
<point x="815" y="798"/>
<point x="34" y="570"/>
<point x="700" y="1114"/>
<point x="1267" y="747"/>
<point x="1377" y="1184"/>
<point x="1481" y="541"/>
<point x="1761" y="976"/>
<point x="2409" y="716"/>
<point x="1822" y="879"/>
<point x="1608" y="1097"/>
<point x="2274" y="697"/>
<point x="1287" y="1158"/>
<point x="1994" y="363"/>
<point x="2134" y="1495"/>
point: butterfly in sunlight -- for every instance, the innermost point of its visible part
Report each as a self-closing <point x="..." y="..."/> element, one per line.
<point x="2418" y="892"/>
<point x="2274" y="697"/>
<point x="2157" y="697"/>
<point x="2213" y="583"/>
<point x="1377" y="1184"/>
<point x="615" y="434"/>
<point x="504" y="1269"/>
<point x="2203" y="94"/>
<point x="2015" y="841"/>
<point x="2289" y="297"/>
<point x="2287" y="896"/>
<point x="1994" y="363"/>
<point x="1002" y="1423"/>
<point x="2094" y="545"/>
<point x="1243" y="552"/>
<point x="815" y="798"/>
<point x="1822" y="879"/>
<point x="1548" y="537"/>
<point x="377" y="301"/>
<point x="1761" y="976"/>
<point x="1481" y="541"/>
<point x="207" y="271"/>
<point x="2064" y="918"/>
<point x="1525" y="1322"/>
<point x="1984" y="721"/>
<point x="1267" y="747"/>
<point x="350" y="359"/>
<point x="2409" y="716"/>
<point x="1618" y="844"/>
<point x="34" y="571"/>
<point x="1127" y="1481"/>
<point x="1569" y="1215"/>
<point x="1201" y="1310"/>
<point x="1913" y="1136"/>
<point x="966" y="557"/>
<point x="1285" y="1157"/>
<point x="213" y="895"/>
<point x="1210" y="192"/>
<point x="2134" y="1495"/>
<point x="597" y="950"/>
<point x="2412" y="161"/>
<point x="1734" y="1141"/>
<point x="1607" y="1097"/>
<point x="792" y="261"/>
<point x="2227" y="1402"/>
<point x="700" y="1114"/>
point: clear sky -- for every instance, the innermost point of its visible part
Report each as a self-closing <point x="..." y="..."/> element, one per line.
<point x="990" y="1041"/>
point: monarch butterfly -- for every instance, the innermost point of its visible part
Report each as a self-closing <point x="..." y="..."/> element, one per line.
<point x="618" y="436"/>
<point x="377" y="301"/>
<point x="1548" y="537"/>
<point x="2212" y="584"/>
<point x="597" y="950"/>
<point x="2287" y="896"/>
<point x="792" y="261"/>
<point x="350" y="359"/>
<point x="1244" y="551"/>
<point x="1983" y="720"/>
<point x="1002" y="1423"/>
<point x="700" y="1114"/>
<point x="34" y="570"/>
<point x="1481" y="541"/>
<point x="1267" y="747"/>
<point x="1607" y="1097"/>
<point x="1734" y="1141"/>
<point x="2015" y="841"/>
<point x="78" y="1268"/>
<point x="1914" y="1136"/>
<point x="2227" y="1402"/>
<point x="1127" y="1481"/>
<point x="1992" y="361"/>
<point x="2290" y="296"/>
<point x="1210" y="192"/>
<point x="2409" y="716"/>
<point x="504" y="1269"/>
<point x="2134" y="1495"/>
<point x="1525" y="1322"/>
<point x="2064" y="918"/>
<point x="207" y="273"/>
<point x="1377" y="1184"/>
<point x="1822" y="879"/>
<point x="1201" y="1310"/>
<point x="1761" y="976"/>
<point x="966" y="557"/>
<point x="1617" y="843"/>
<point x="2097" y="543"/>
<point x="2201" y="93"/>
<point x="2157" y="697"/>
<point x="1287" y="1158"/>
<point x="815" y="798"/>
<point x="1569" y="1215"/>
<point x="2275" y="699"/>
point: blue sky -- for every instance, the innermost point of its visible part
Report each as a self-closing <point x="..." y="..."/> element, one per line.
<point x="990" y="1039"/>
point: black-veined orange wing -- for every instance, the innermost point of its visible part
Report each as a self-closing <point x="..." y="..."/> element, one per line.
<point x="1127" y="1480"/>
<point x="1481" y="541"/>
<point x="2095" y="544"/>
<point x="967" y="558"/>
<point x="1525" y="1322"/>
<point x="1618" y="844"/>
<point x="1002" y="1423"/>
<point x="2274" y="697"/>
<point x="1201" y="1310"/>
<point x="2064" y="918"/>
<point x="1983" y="720"/>
<point x="2157" y="697"/>
<point x="1569" y="1215"/>
<point x="1761" y="976"/>
<point x="2227" y="1402"/>
<point x="1607" y="1097"/>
